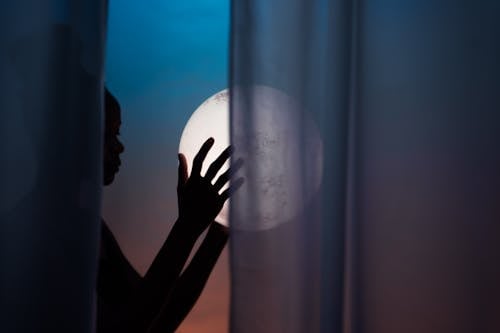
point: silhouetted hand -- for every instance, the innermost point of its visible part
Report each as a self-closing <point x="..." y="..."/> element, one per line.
<point x="198" y="199"/>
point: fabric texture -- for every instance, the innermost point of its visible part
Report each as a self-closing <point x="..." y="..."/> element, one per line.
<point x="370" y="132"/>
<point x="50" y="125"/>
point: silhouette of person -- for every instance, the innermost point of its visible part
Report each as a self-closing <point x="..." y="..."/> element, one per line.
<point x="161" y="299"/>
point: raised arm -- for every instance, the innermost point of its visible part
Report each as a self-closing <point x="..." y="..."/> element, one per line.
<point x="199" y="203"/>
<point x="192" y="281"/>
<point x="162" y="275"/>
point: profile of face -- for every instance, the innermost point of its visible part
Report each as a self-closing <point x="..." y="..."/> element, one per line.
<point x="112" y="145"/>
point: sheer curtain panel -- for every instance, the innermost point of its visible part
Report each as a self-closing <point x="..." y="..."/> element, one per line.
<point x="50" y="150"/>
<point x="370" y="132"/>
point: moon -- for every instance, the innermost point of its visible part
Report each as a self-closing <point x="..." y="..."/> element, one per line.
<point x="210" y="119"/>
<point x="280" y="146"/>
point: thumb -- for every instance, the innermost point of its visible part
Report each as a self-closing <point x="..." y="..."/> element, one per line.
<point x="183" y="171"/>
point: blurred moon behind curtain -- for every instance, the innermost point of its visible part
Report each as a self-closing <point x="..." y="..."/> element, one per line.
<point x="394" y="109"/>
<point x="52" y="55"/>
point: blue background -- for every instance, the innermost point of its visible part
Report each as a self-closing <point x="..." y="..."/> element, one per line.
<point x="163" y="59"/>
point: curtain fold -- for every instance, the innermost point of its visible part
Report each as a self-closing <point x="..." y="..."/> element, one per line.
<point x="289" y="119"/>
<point x="52" y="55"/>
<point x="370" y="132"/>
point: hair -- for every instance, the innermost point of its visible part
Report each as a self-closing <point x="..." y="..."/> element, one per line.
<point x="109" y="99"/>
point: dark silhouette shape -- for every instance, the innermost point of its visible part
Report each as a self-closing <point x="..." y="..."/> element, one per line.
<point x="161" y="299"/>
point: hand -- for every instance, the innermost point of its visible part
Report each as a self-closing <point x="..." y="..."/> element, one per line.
<point x="199" y="201"/>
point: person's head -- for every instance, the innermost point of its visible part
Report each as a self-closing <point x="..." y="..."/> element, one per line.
<point x="112" y="145"/>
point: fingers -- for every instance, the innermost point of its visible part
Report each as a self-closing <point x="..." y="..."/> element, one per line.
<point x="224" y="178"/>
<point x="217" y="164"/>
<point x="200" y="157"/>
<point x="183" y="171"/>
<point x="234" y="187"/>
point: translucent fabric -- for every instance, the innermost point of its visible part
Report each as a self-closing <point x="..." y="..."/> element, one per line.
<point x="370" y="136"/>
<point x="50" y="147"/>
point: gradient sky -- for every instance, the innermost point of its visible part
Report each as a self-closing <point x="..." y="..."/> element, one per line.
<point x="163" y="59"/>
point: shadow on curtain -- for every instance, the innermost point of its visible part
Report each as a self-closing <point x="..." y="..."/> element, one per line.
<point x="50" y="125"/>
<point x="370" y="132"/>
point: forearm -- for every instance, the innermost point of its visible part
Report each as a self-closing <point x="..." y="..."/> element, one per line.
<point x="172" y="256"/>
<point x="164" y="271"/>
<point x="191" y="283"/>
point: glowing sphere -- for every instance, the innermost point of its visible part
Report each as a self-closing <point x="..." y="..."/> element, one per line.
<point x="280" y="146"/>
<point x="210" y="119"/>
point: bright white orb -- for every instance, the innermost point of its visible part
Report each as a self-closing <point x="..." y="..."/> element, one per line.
<point x="279" y="143"/>
<point x="210" y="119"/>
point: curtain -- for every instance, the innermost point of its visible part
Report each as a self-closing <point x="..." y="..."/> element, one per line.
<point x="370" y="135"/>
<point x="50" y="147"/>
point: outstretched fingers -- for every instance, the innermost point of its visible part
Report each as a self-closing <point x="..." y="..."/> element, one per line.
<point x="218" y="163"/>
<point x="224" y="178"/>
<point x="200" y="157"/>
<point x="233" y="188"/>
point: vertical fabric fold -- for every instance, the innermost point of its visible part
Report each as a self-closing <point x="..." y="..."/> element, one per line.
<point x="51" y="178"/>
<point x="290" y="98"/>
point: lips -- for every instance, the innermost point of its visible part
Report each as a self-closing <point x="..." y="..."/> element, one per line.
<point x="115" y="164"/>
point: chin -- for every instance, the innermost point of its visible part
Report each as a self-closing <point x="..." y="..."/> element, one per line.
<point x="108" y="179"/>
